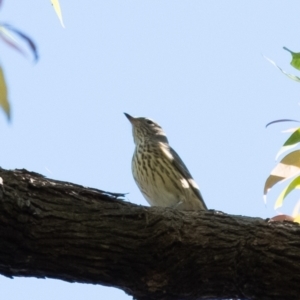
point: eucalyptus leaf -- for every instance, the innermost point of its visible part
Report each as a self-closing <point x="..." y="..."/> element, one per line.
<point x="3" y="95"/>
<point x="295" y="58"/>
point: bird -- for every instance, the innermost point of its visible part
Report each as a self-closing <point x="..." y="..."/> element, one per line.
<point x="158" y="170"/>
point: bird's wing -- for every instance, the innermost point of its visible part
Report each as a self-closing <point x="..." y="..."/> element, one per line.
<point x="171" y="154"/>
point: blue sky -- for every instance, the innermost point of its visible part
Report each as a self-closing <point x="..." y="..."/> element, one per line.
<point x="196" y="67"/>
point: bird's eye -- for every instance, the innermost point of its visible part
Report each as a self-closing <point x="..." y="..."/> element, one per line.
<point x="150" y="122"/>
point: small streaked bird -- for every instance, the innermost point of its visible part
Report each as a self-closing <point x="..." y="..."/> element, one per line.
<point x="159" y="172"/>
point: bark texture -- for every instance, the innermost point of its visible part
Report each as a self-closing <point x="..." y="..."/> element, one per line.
<point x="60" y="230"/>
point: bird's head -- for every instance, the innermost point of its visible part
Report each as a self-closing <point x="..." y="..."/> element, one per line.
<point x="144" y="129"/>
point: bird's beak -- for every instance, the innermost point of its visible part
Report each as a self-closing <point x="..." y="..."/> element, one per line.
<point x="130" y="118"/>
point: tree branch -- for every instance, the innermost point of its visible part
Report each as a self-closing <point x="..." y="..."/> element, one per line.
<point x="56" y="229"/>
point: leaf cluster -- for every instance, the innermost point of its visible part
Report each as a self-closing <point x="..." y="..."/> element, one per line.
<point x="13" y="37"/>
<point x="289" y="165"/>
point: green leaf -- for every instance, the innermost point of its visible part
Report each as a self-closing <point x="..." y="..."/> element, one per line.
<point x="295" y="58"/>
<point x="291" y="76"/>
<point x="294" y="184"/>
<point x="290" y="143"/>
<point x="3" y="95"/>
<point x="288" y="167"/>
<point x="293" y="139"/>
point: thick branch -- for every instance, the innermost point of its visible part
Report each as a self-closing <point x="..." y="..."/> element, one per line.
<point x="60" y="230"/>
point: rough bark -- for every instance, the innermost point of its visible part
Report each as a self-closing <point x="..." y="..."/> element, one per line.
<point x="56" y="229"/>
